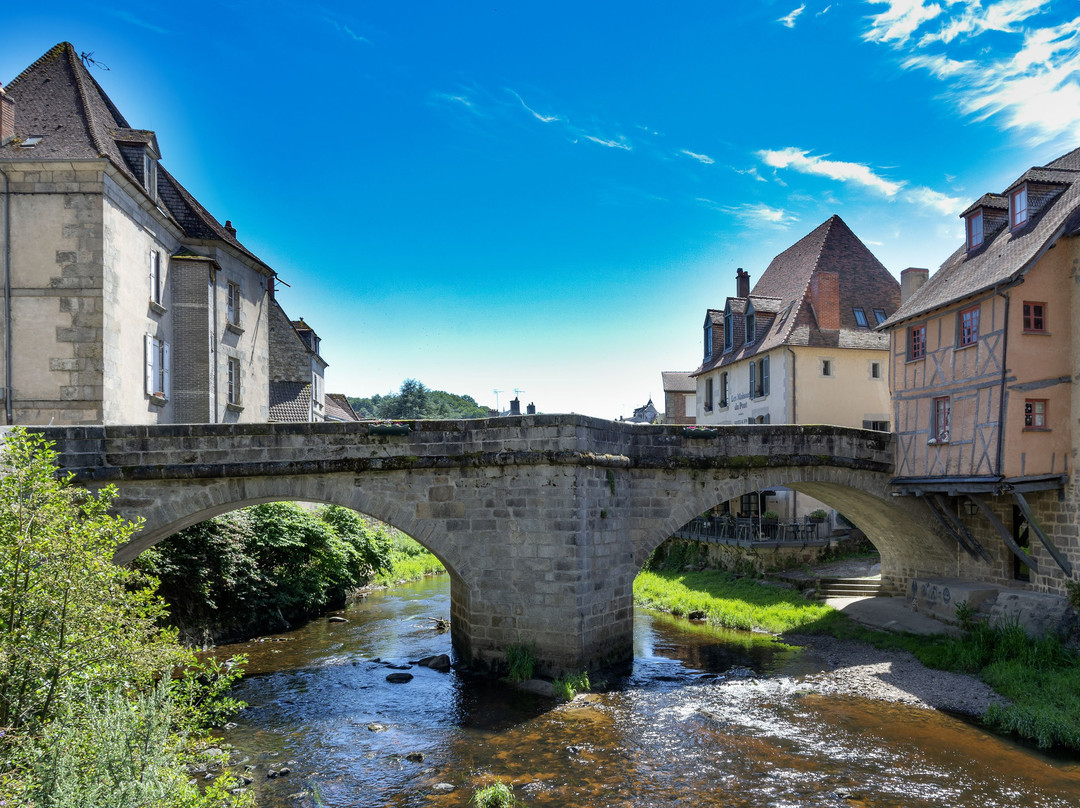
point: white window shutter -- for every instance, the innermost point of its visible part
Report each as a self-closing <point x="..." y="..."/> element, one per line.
<point x="166" y="381"/>
<point x="765" y="376"/>
<point x="150" y="352"/>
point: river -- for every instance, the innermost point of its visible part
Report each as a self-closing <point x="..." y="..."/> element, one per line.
<point x="706" y="718"/>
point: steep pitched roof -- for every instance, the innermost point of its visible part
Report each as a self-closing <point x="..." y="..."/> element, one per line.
<point x="58" y="99"/>
<point x="782" y="296"/>
<point x="290" y="401"/>
<point x="338" y="408"/>
<point x="678" y="381"/>
<point x="1008" y="254"/>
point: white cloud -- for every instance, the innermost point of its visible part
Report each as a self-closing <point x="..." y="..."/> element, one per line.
<point x="900" y="20"/>
<point x="929" y="198"/>
<point x="802" y="161"/>
<point x="535" y="114"/>
<point x="127" y="16"/>
<point x="611" y="144"/>
<point x="762" y="214"/>
<point x="824" y="11"/>
<point x="701" y="158"/>
<point x="750" y="172"/>
<point x="1001" y="16"/>
<point x="939" y="66"/>
<point x="789" y="20"/>
<point x="344" y="29"/>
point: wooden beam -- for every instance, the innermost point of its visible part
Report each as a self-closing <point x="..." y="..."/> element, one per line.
<point x="935" y="508"/>
<point x="961" y="529"/>
<point x="991" y="517"/>
<point x="1062" y="562"/>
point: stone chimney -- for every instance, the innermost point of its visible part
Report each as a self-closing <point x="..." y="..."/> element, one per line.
<point x="825" y="298"/>
<point x="911" y="280"/>
<point x="530" y="410"/>
<point x="229" y="228"/>
<point x="515" y="406"/>
<point x="7" y="117"/>
<point x="742" y="283"/>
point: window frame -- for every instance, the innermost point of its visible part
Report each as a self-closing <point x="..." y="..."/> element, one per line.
<point x="916" y="350"/>
<point x="751" y="327"/>
<point x="1028" y="318"/>
<point x="860" y="317"/>
<point x="941" y="425"/>
<point x="233" y="391"/>
<point x="880" y="316"/>
<point x="827" y="368"/>
<point x="967" y="333"/>
<point x="753" y="379"/>
<point x="875" y="370"/>
<point x="974" y="229"/>
<point x="729" y="331"/>
<point x="1018" y="207"/>
<point x="157" y="374"/>
<point x="157" y="289"/>
<point x="1031" y="413"/>
<point x="233" y="304"/>
<point x="724" y="389"/>
<point x="150" y="174"/>
<point x="708" y="341"/>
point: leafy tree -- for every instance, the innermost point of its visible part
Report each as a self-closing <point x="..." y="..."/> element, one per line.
<point x="411" y="400"/>
<point x="414" y="400"/>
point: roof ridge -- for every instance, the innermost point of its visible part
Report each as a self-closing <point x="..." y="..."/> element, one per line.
<point x="68" y="50"/>
<point x="55" y="50"/>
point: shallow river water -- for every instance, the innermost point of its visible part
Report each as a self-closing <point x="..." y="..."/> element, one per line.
<point x="706" y="718"/>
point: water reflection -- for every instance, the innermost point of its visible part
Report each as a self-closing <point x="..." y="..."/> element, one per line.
<point x="703" y="719"/>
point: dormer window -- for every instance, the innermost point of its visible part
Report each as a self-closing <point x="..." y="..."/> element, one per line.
<point x="150" y="174"/>
<point x="1018" y="207"/>
<point x="708" y="341"/>
<point x="974" y="230"/>
<point x="729" y="330"/>
<point x="860" y="317"/>
<point x="751" y="326"/>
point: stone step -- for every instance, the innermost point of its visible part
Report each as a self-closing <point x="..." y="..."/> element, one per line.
<point x="848" y="588"/>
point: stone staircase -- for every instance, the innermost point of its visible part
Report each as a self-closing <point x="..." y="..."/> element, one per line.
<point x="847" y="588"/>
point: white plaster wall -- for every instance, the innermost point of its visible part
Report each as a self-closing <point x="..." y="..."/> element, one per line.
<point x="741" y="407"/>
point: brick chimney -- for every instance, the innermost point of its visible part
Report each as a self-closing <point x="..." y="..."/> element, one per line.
<point x="825" y="298"/>
<point x="7" y="117"/>
<point x="742" y="283"/>
<point x="911" y="280"/>
<point x="515" y="406"/>
<point x="229" y="228"/>
<point x="531" y="409"/>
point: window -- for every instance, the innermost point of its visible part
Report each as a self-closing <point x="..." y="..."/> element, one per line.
<point x="150" y="175"/>
<point x="916" y="342"/>
<point x="763" y="419"/>
<point x="880" y="315"/>
<point x="157" y="374"/>
<point x="974" y="230"/>
<point x="724" y="389"/>
<point x="234" y="380"/>
<point x="30" y="142"/>
<point x="234" y="304"/>
<point x="860" y="317"/>
<point x="729" y="331"/>
<point x="763" y="377"/>
<point x="1018" y="207"/>
<point x="826" y="367"/>
<point x="317" y="390"/>
<point x="708" y="341"/>
<point x="877" y="426"/>
<point x="875" y="370"/>
<point x="751" y="327"/>
<point x="969" y="326"/>
<point x="1035" y="317"/>
<point x="156" y="291"/>
<point x="1035" y="414"/>
<point x="690" y="405"/>
<point x="942" y="417"/>
<point x="753" y="379"/>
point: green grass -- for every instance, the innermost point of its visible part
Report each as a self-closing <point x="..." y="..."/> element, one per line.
<point x="1041" y="677"/>
<point x="521" y="660"/>
<point x="409" y="561"/>
<point x="730" y="602"/>
<point x="496" y="795"/>
<point x="569" y="685"/>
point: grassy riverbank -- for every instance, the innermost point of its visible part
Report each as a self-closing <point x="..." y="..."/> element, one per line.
<point x="407" y="560"/>
<point x="1041" y="677"/>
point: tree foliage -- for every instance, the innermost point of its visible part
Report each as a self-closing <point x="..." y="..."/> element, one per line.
<point x="414" y="400"/>
<point x="264" y="568"/>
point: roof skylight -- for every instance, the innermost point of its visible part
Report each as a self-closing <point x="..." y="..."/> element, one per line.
<point x="30" y="142"/>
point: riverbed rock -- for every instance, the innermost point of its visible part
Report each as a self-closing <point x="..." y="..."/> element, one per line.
<point x="538" y="686"/>
<point x="375" y="726"/>
<point x="399" y="678"/>
<point x="443" y="788"/>
<point x="336" y="619"/>
<point x="440" y="662"/>
<point x="415" y="757"/>
<point x="697" y="614"/>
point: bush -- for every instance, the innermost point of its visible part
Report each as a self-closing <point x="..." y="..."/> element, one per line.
<point x="496" y="795"/>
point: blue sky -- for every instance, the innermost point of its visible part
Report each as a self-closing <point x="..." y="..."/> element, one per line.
<point x="548" y="196"/>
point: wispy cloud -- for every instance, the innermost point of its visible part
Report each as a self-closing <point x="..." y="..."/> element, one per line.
<point x="929" y="198"/>
<point x="1028" y="80"/>
<point x="824" y="11"/>
<point x="761" y="214"/>
<point x="788" y="21"/>
<point x="127" y="16"/>
<point x="750" y="172"/>
<point x="533" y="112"/>
<point x="346" y="30"/>
<point x="701" y="158"/>
<point x="620" y="143"/>
<point x="802" y="161"/>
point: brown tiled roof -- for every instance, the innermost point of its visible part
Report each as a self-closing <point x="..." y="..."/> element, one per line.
<point x="290" y="401"/>
<point x="678" y="381"/>
<point x="338" y="408"/>
<point x="781" y="297"/>
<point x="57" y="98"/>
<point x="991" y="200"/>
<point x="1005" y="256"/>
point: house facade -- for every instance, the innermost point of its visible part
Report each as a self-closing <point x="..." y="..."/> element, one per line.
<point x="800" y="347"/>
<point x="680" y="397"/>
<point x="125" y="300"/>
<point x="982" y="373"/>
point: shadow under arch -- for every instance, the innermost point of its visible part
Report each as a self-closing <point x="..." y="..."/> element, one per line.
<point x="902" y="531"/>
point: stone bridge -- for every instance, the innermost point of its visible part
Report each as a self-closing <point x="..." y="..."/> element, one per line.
<point x="541" y="521"/>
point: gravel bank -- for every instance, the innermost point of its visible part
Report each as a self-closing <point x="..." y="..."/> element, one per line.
<point x="858" y="669"/>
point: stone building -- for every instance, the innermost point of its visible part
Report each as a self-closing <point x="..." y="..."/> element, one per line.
<point x="982" y="370"/>
<point x="800" y="347"/>
<point x="124" y="300"/>
<point x="296" y="370"/>
<point x="680" y="397"/>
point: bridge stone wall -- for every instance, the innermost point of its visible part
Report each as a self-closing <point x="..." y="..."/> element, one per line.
<point x="541" y="521"/>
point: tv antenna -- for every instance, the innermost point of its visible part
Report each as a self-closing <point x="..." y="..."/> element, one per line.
<point x="518" y="391"/>
<point x="496" y="392"/>
<point x="88" y="59"/>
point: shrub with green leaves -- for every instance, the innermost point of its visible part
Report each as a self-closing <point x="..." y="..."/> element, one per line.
<point x="495" y="795"/>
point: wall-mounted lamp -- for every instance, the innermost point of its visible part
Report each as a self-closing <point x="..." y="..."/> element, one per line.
<point x="970" y="508"/>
